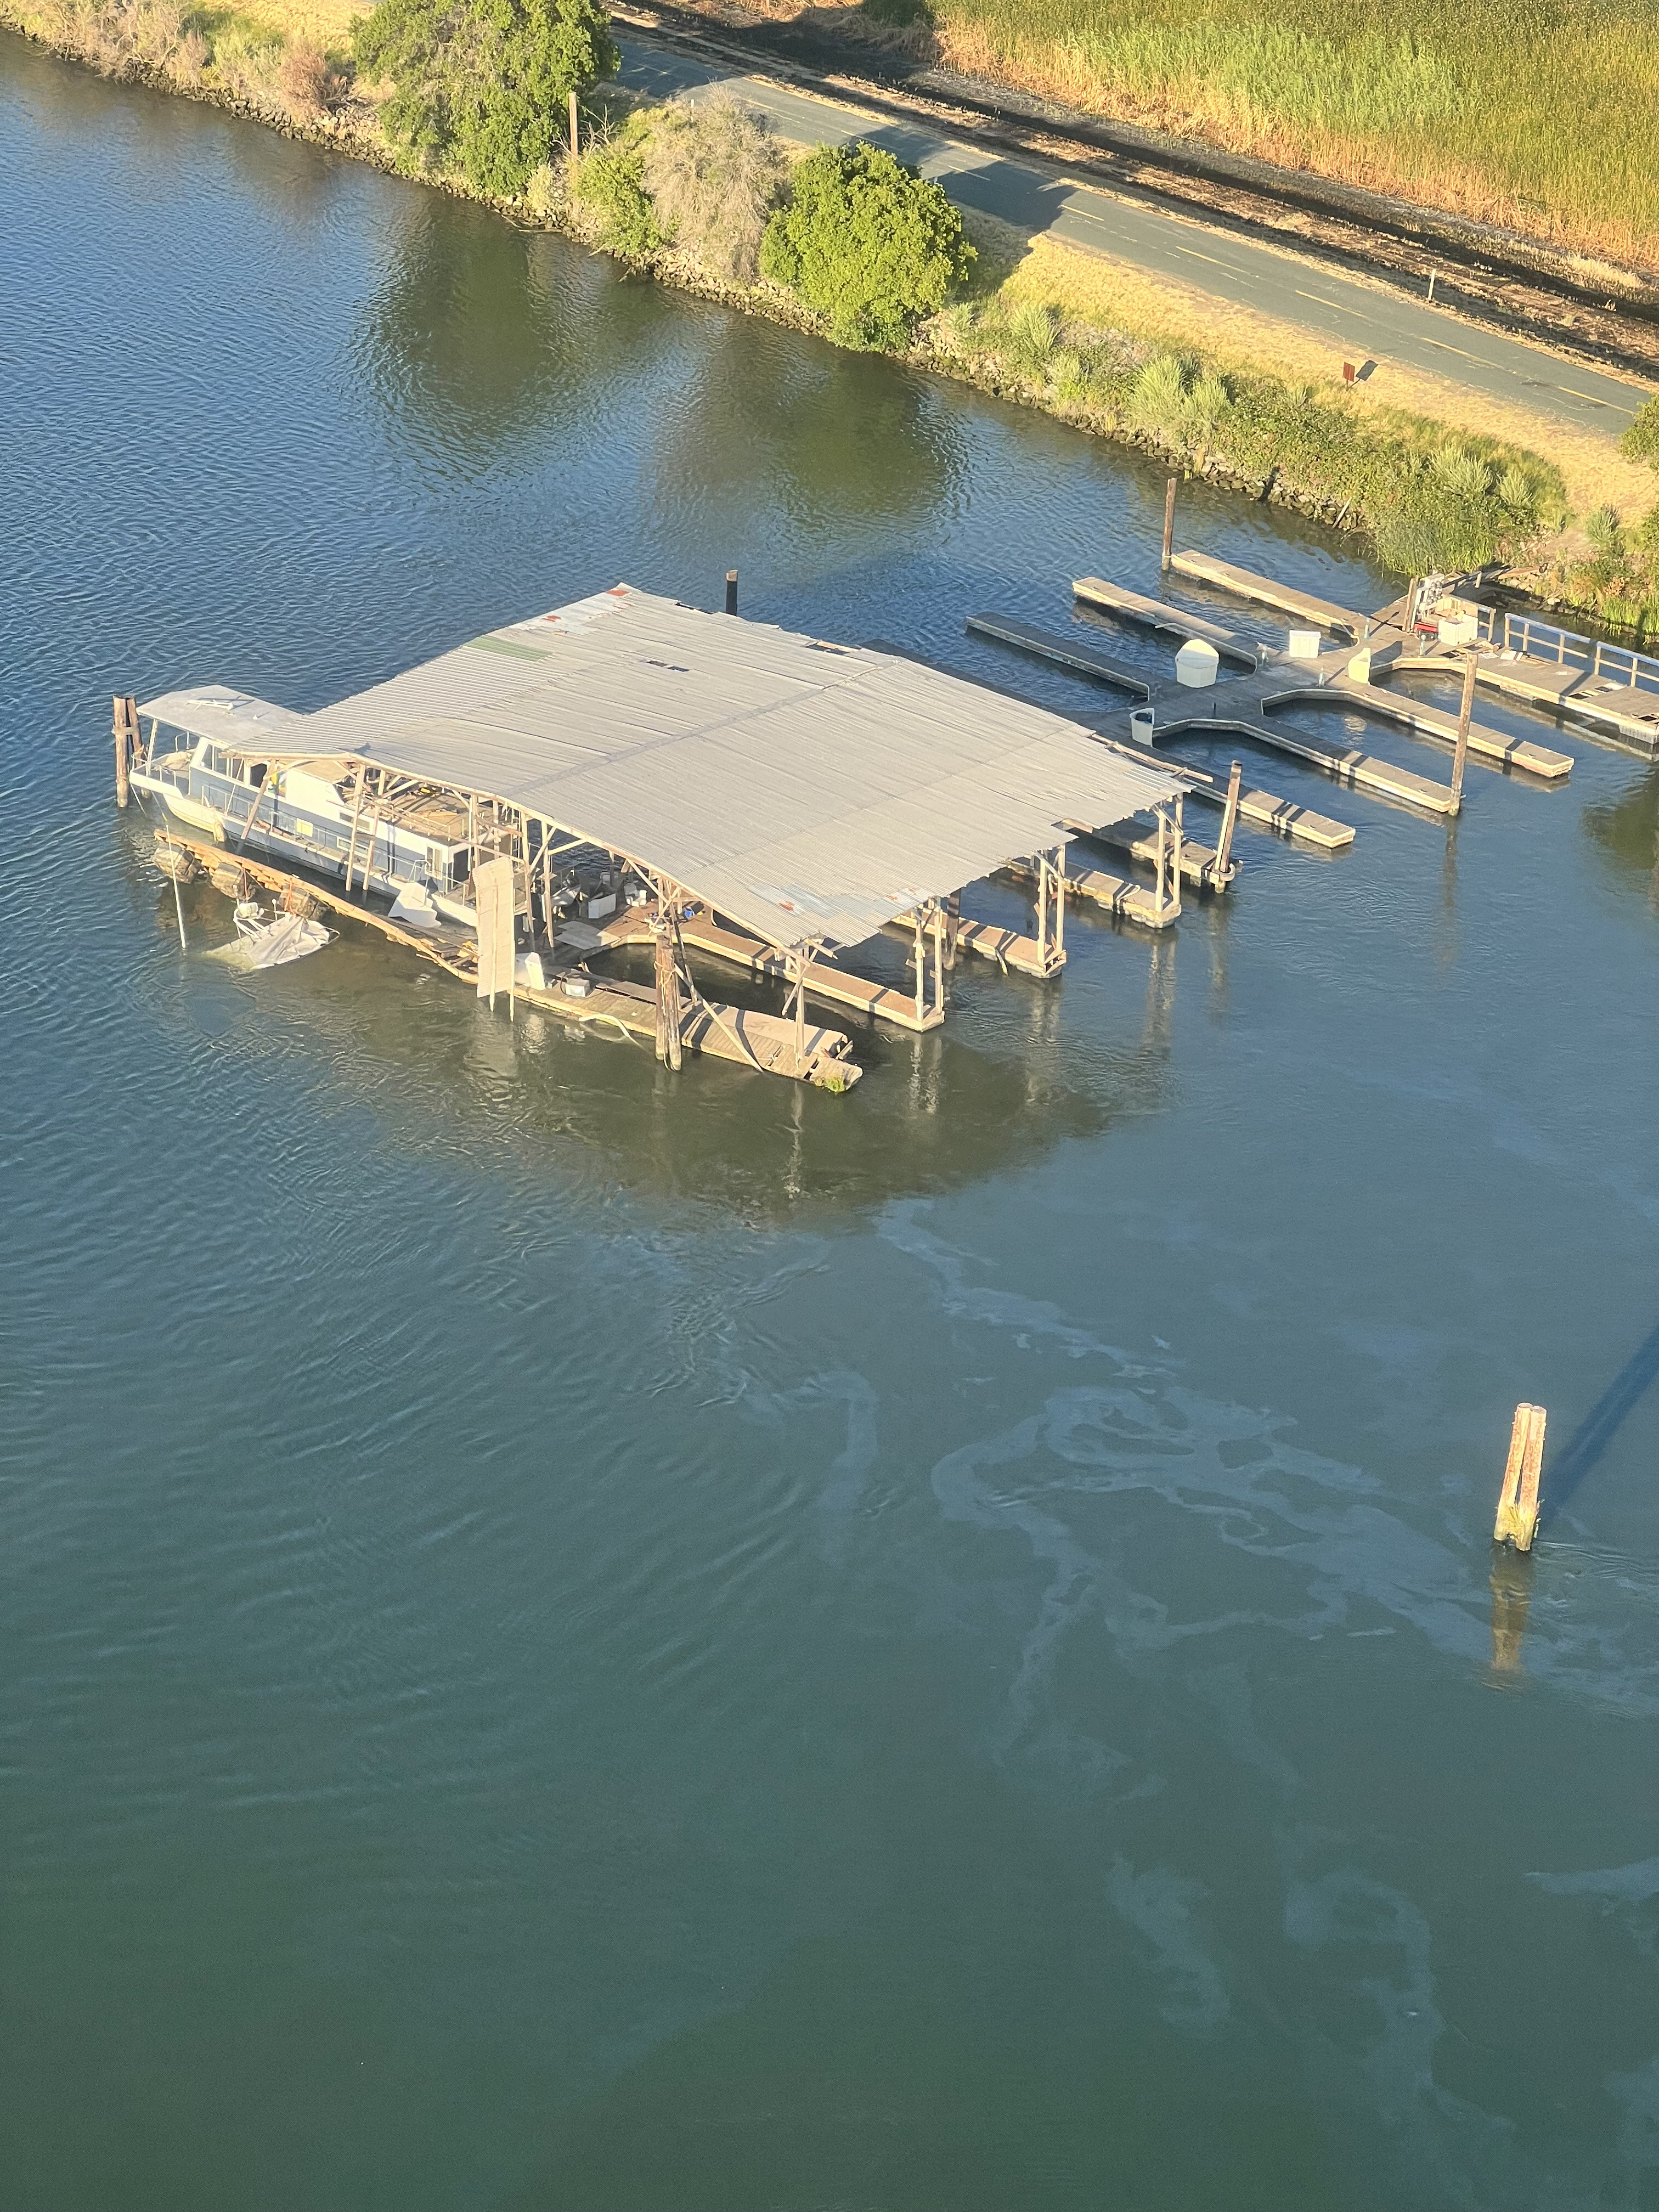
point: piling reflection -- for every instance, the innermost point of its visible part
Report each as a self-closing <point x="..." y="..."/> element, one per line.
<point x="1445" y="937"/>
<point x="1512" y="1596"/>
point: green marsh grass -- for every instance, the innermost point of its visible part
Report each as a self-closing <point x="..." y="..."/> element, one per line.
<point x="1542" y="115"/>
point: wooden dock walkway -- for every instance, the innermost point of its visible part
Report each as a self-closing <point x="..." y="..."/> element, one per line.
<point x="1386" y="643"/>
<point x="1284" y="817"/>
<point x="1346" y="763"/>
<point x="1318" y="614"/>
<point x="1423" y="720"/>
<point x="1064" y="652"/>
<point x="1263" y="810"/>
<point x="1121" y="897"/>
<point x="1167" y="620"/>
<point x="764" y="1041"/>
<point x="701" y="933"/>
<point x="1551" y="689"/>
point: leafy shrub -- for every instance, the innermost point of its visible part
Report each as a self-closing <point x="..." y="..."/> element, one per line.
<point x="1641" y="441"/>
<point x="714" y="173"/>
<point x="483" y="83"/>
<point x="867" y="244"/>
<point x="611" y="185"/>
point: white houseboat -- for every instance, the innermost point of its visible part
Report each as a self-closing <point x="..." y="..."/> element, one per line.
<point x="206" y="757"/>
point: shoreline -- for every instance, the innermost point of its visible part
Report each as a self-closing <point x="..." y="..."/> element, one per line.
<point x="353" y="130"/>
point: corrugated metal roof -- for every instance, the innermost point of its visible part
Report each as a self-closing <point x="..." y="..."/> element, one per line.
<point x="231" y="718"/>
<point x="805" y="790"/>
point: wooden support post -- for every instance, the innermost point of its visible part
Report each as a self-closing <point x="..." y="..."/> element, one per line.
<point x="1465" y="713"/>
<point x="952" y="927"/>
<point x="1042" y="912"/>
<point x="1060" y="903"/>
<point x="1409" y="612"/>
<point x="921" y="969"/>
<point x="1175" y="854"/>
<point x="123" y="723"/>
<point x="1158" y="864"/>
<point x="800" y="1010"/>
<point x="1517" y="1501"/>
<point x="939" y="957"/>
<point x="351" y="844"/>
<point x="668" y="991"/>
<point x="730" y="591"/>
<point x="1168" y="527"/>
<point x="574" y="146"/>
<point x="1229" y="816"/>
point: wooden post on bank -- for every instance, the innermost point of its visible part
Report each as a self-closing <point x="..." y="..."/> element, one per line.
<point x="574" y="147"/>
<point x="1169" y="525"/>
<point x="1517" y="1501"/>
<point x="1465" y="714"/>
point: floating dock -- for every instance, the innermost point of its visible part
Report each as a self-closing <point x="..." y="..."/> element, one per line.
<point x="1283" y="818"/>
<point x="1490" y="747"/>
<point x="1062" y="652"/>
<point x="1168" y="622"/>
<point x="1317" y="614"/>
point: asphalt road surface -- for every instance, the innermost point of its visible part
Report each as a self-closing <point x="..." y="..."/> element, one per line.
<point x="1361" y="323"/>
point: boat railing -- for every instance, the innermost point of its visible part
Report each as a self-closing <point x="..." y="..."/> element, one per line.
<point x="1542" y="641"/>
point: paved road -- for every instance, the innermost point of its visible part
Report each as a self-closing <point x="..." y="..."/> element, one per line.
<point x="1360" y="322"/>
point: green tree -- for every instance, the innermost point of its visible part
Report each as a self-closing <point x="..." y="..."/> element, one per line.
<point x="484" y="84"/>
<point x="866" y="243"/>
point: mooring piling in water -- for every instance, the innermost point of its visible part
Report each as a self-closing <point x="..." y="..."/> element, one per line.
<point x="123" y="723"/>
<point x="1465" y="716"/>
<point x="730" y="591"/>
<point x="1517" y="1501"/>
<point x="1168" y="525"/>
<point x="1221" y="868"/>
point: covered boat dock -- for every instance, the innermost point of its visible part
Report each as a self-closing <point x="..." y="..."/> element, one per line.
<point x="773" y="799"/>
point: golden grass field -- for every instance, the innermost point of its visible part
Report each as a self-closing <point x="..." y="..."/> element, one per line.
<point x="1541" y="115"/>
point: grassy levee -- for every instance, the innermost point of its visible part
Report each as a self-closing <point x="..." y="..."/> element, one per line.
<point x="1536" y="114"/>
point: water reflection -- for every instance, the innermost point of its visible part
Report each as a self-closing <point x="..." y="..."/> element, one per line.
<point x="1627" y="833"/>
<point x="481" y="340"/>
<point x="483" y="344"/>
<point x="832" y="439"/>
<point x="1511" y="1599"/>
<point x="1003" y="1084"/>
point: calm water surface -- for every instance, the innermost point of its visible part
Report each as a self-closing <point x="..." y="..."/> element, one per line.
<point x="574" y="1639"/>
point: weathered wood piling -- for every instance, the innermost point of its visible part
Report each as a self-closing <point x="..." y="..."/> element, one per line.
<point x="1517" y="1501"/>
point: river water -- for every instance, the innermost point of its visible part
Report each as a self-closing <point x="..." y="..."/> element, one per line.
<point x="576" y="1637"/>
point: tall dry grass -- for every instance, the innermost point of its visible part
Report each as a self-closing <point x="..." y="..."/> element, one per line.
<point x="1538" y="114"/>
